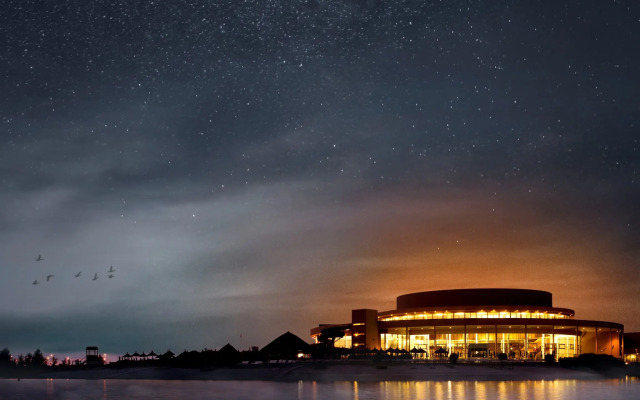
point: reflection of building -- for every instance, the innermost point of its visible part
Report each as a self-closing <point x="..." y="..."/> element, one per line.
<point x="479" y="323"/>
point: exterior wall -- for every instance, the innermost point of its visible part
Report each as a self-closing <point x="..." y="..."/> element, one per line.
<point x="479" y="297"/>
<point x="364" y="329"/>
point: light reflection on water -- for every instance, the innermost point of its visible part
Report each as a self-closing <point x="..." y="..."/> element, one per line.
<point x="231" y="390"/>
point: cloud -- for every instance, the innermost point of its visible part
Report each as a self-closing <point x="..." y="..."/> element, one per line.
<point x="289" y="256"/>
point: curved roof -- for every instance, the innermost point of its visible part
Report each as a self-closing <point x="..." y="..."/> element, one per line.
<point x="475" y="297"/>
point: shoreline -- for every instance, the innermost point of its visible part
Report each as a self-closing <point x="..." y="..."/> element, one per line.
<point x="333" y="372"/>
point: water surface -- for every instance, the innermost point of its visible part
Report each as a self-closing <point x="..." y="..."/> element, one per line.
<point x="50" y="389"/>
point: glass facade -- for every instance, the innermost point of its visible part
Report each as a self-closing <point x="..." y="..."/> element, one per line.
<point x="516" y="342"/>
<point x="476" y="314"/>
<point x="343" y="342"/>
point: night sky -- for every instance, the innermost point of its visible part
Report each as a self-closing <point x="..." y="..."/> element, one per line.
<point x="261" y="166"/>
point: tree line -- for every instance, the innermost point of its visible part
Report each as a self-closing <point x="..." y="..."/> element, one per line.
<point x="35" y="359"/>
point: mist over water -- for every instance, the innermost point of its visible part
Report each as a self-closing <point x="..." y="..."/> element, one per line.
<point x="50" y="389"/>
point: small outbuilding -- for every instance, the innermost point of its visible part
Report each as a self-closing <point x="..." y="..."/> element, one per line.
<point x="286" y="347"/>
<point x="92" y="356"/>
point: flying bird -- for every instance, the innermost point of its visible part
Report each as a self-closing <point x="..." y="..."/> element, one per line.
<point x="78" y="274"/>
<point x="35" y="282"/>
<point x="39" y="258"/>
<point x="95" y="277"/>
<point x="49" y="277"/>
<point x="111" y="276"/>
<point x="111" y="270"/>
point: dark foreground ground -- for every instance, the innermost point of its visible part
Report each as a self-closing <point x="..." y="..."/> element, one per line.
<point x="318" y="371"/>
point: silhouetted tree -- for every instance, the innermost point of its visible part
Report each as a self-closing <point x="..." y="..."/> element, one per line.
<point x="38" y="359"/>
<point x="5" y="356"/>
<point x="329" y="335"/>
<point x="28" y="359"/>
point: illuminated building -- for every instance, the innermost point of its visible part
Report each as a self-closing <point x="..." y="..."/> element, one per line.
<point x="632" y="347"/>
<point x="477" y="323"/>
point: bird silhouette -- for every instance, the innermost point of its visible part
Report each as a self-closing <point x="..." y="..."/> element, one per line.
<point x="78" y="274"/>
<point x="39" y="258"/>
<point x="111" y="270"/>
<point x="49" y="277"/>
<point x="95" y="277"/>
<point x="111" y="276"/>
<point x="35" y="282"/>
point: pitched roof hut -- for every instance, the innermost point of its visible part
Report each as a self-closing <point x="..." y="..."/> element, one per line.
<point x="286" y="347"/>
